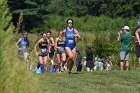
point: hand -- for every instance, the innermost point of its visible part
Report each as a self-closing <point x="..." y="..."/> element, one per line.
<point x="80" y="38"/>
<point x="37" y="53"/>
<point x="139" y="41"/>
<point x="120" y="32"/>
<point x="75" y="35"/>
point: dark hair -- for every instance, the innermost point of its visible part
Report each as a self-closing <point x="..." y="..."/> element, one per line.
<point x="42" y="33"/>
<point x="60" y="33"/>
<point x="24" y="32"/>
<point x="49" y="32"/>
<point x="69" y="19"/>
<point x="127" y="30"/>
<point x="88" y="46"/>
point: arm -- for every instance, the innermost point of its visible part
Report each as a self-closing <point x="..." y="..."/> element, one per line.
<point x="86" y="54"/>
<point x="77" y="34"/>
<point x="17" y="44"/>
<point x="119" y="36"/>
<point x="56" y="43"/>
<point x="28" y="45"/>
<point x="52" y="44"/>
<point x="64" y="31"/>
<point x="137" y="35"/>
<point x="36" y="51"/>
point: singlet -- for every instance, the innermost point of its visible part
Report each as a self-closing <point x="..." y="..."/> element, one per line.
<point x="52" y="50"/>
<point x="24" y="43"/>
<point x="61" y="44"/>
<point x="43" y="45"/>
<point x="70" y="38"/>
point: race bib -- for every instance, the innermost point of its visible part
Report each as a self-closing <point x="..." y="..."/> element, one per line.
<point x="70" y="41"/>
<point x="43" y="50"/>
<point x="61" y="49"/>
<point x="24" y="47"/>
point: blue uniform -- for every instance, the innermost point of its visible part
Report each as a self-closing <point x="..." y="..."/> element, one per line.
<point x="43" y="48"/>
<point x="24" y="44"/>
<point x="70" y="38"/>
<point x="61" y="45"/>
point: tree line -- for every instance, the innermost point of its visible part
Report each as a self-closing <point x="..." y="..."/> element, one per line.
<point x="35" y="10"/>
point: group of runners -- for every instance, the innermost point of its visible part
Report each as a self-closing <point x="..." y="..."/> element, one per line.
<point x="65" y="43"/>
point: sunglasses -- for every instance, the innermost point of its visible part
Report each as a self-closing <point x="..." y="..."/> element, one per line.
<point x="70" y="23"/>
<point x="48" y="34"/>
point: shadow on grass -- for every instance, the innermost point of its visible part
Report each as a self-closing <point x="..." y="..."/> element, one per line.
<point x="77" y="73"/>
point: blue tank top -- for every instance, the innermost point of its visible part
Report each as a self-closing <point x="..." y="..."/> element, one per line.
<point x="24" y="43"/>
<point x="43" y="46"/>
<point x="70" y="38"/>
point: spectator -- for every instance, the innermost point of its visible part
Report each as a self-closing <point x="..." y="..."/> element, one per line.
<point x="89" y="58"/>
<point x="78" y="60"/>
<point x="124" y="37"/>
<point x="136" y="36"/>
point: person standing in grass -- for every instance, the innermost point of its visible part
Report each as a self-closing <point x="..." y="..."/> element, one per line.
<point x="136" y="36"/>
<point x="89" y="58"/>
<point x="124" y="37"/>
<point x="50" y="40"/>
<point x="79" y="60"/>
<point x="23" y="46"/>
<point x="70" y="35"/>
<point x="42" y="53"/>
<point x="60" y="51"/>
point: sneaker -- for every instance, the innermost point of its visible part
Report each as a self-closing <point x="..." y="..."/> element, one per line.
<point x="69" y="72"/>
<point x="38" y="70"/>
<point x="62" y="68"/>
<point x="46" y="69"/>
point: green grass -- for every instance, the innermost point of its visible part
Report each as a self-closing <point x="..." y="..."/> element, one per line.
<point x="93" y="82"/>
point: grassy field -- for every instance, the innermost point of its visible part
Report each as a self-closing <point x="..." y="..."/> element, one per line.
<point x="93" y="82"/>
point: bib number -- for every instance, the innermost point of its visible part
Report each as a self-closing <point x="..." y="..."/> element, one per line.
<point x="43" y="50"/>
<point x="61" y="49"/>
<point x="70" y="41"/>
<point x="24" y="47"/>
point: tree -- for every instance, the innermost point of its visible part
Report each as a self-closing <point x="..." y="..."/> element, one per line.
<point x="33" y="11"/>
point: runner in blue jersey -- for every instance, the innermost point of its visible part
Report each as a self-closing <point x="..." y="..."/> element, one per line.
<point x="70" y="35"/>
<point x="60" y="51"/>
<point x="43" y="51"/>
<point x="23" y="46"/>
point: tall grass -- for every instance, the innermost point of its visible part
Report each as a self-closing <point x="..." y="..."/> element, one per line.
<point x="15" y="78"/>
<point x="87" y="23"/>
